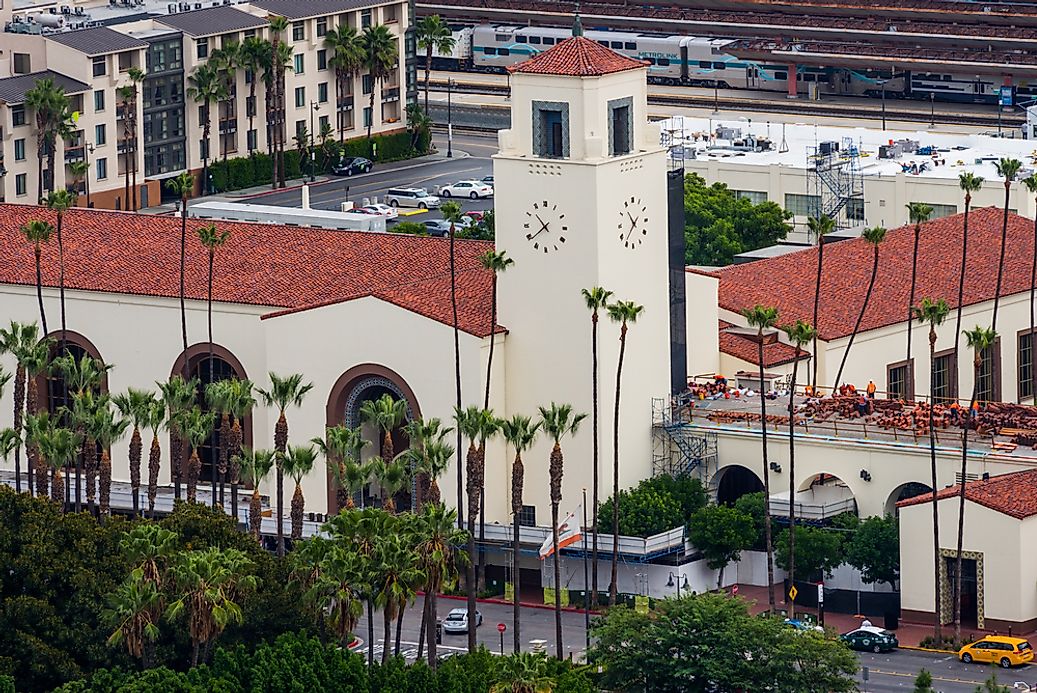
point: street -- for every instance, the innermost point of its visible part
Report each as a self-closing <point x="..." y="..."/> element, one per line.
<point x="429" y="174"/>
<point x="893" y="671"/>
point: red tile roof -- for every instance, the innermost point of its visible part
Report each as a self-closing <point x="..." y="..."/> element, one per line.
<point x="577" y="57"/>
<point x="1013" y="494"/>
<point x="741" y="346"/>
<point x="283" y="267"/>
<point x="787" y="282"/>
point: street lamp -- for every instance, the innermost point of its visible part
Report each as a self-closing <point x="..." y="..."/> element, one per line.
<point x="932" y="109"/>
<point x="449" y="119"/>
<point x="882" y="83"/>
<point x="671" y="583"/>
<point x="87" y="151"/>
<point x="314" y="107"/>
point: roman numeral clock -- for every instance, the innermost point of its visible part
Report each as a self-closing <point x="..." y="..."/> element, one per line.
<point x="545" y="226"/>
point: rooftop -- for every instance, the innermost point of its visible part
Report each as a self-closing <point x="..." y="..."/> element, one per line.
<point x="212" y="20"/>
<point x="97" y="41"/>
<point x="577" y="57"/>
<point x="303" y="9"/>
<point x="283" y="268"/>
<point x="13" y="89"/>
<point x="746" y="347"/>
<point x="1013" y="494"/>
<point x="782" y="282"/>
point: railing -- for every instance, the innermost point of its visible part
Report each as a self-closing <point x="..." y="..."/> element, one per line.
<point x="346" y="103"/>
<point x="636" y="548"/>
<point x="390" y="94"/>
<point x="73" y="154"/>
<point x="228" y="126"/>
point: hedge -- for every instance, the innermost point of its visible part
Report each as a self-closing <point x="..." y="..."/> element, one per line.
<point x="249" y="171"/>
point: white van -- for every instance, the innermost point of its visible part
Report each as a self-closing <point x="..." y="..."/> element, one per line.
<point x="411" y="197"/>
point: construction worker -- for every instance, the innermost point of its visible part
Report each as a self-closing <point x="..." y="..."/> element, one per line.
<point x="871" y="389"/>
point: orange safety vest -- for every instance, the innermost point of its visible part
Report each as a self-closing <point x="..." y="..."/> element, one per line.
<point x="871" y="388"/>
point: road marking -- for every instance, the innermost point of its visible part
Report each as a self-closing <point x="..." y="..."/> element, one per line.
<point x="911" y="676"/>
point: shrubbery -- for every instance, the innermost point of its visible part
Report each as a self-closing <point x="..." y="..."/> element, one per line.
<point x="655" y="505"/>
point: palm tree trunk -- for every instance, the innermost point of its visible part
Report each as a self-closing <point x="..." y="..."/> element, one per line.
<point x="1001" y="260"/>
<point x="431" y="621"/>
<point x="473" y="508"/>
<point x="154" y="462"/>
<point x="280" y="445"/>
<point x="176" y="461"/>
<point x="767" y="485"/>
<point x="1033" y="290"/>
<point x="613" y="587"/>
<point x="387" y="634"/>
<point x="298" y="506"/>
<point x="860" y="318"/>
<point x="817" y="303"/>
<point x="558" y="582"/>
<point x="19" y="399"/>
<point x="370" y="630"/>
<point x="792" y="472"/>
<point x="961" y="501"/>
<point x="193" y="466"/>
<point x="457" y="364"/>
<point x="370" y="122"/>
<point x="105" y="484"/>
<point x="595" y="461"/>
<point x="936" y="513"/>
<point x="206" y="134"/>
<point x="428" y="72"/>
<point x="399" y="630"/>
<point x="255" y="514"/>
<point x="208" y="316"/>
<point x="516" y="582"/>
<point x="39" y="290"/>
<point x="910" y="307"/>
<point x="136" y="451"/>
<point x="424" y="625"/>
<point x="481" y="579"/>
<point x="961" y="280"/>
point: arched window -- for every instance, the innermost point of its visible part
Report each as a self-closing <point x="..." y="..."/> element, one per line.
<point x="221" y="370"/>
<point x="51" y="385"/>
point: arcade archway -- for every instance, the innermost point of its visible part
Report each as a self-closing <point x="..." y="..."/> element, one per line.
<point x="735" y="481"/>
<point x="903" y="492"/>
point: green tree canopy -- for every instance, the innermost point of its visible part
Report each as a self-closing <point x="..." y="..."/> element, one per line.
<point x="817" y="550"/>
<point x="874" y="550"/>
<point x="718" y="224"/>
<point x="721" y="533"/>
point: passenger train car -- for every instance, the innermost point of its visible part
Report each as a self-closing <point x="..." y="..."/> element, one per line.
<point x="707" y="62"/>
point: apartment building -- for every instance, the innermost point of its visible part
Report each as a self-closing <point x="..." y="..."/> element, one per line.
<point x="169" y="42"/>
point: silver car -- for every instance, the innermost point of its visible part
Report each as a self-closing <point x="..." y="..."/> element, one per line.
<point x="457" y="621"/>
<point x="411" y="197"/>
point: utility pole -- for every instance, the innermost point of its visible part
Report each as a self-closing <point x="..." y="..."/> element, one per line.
<point x="314" y="107"/>
<point x="586" y="579"/>
<point x="449" y="120"/>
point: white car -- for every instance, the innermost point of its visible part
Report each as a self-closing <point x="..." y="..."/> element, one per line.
<point x="383" y="210"/>
<point x="457" y="621"/>
<point x="467" y="188"/>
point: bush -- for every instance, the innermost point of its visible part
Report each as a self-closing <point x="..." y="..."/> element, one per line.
<point x="945" y="642"/>
<point x="655" y="505"/>
<point x="409" y="227"/>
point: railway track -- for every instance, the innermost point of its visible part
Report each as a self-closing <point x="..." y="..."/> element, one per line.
<point x="795" y="107"/>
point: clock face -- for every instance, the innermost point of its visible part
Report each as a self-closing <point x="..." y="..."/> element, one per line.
<point x="545" y="226"/>
<point x="633" y="222"/>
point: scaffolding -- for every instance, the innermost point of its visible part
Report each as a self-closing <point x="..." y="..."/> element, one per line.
<point x="678" y="448"/>
<point x="835" y="180"/>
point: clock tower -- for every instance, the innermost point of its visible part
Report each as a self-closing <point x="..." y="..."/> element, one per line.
<point x="582" y="202"/>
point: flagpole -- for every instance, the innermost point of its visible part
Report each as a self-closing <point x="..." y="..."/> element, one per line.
<point x="586" y="579"/>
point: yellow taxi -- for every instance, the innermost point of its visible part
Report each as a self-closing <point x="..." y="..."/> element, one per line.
<point x="998" y="649"/>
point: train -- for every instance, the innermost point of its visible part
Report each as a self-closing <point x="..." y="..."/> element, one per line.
<point x="711" y="62"/>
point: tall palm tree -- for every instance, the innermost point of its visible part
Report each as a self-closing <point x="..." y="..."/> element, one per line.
<point x="212" y="238"/>
<point x="36" y="359"/>
<point x="78" y="171"/>
<point x="178" y="396"/>
<point x="918" y="213"/>
<point x="57" y="446"/>
<point x="520" y="432"/>
<point x="433" y="35"/>
<point x="298" y="462"/>
<point x="59" y="201"/>
<point x="219" y="397"/>
<point x="10" y="441"/>
<point x="800" y="334"/>
<point x="284" y="392"/>
<point x="1031" y="184"/>
<point x="19" y="340"/>
<point x="978" y="339"/>
<point x="386" y="414"/>
<point x="241" y="404"/>
<point x="398" y="574"/>
<point x="80" y="417"/>
<point x="438" y="548"/>
<point x="278" y="25"/>
<point x="105" y="429"/>
<point x="50" y="105"/>
<point x="625" y="313"/>
<point x="392" y="477"/>
<point x="1007" y="169"/>
<point x="496" y="263"/>
<point x="452" y="212"/>
<point x="341" y="447"/>
<point x="136" y="406"/>
<point x="251" y="57"/>
<point x="38" y="232"/>
<point x="37" y="426"/>
<point x="933" y="313"/>
<point x="226" y="60"/>
<point x="337" y="590"/>
<point x="182" y="186"/>
<point x="381" y="58"/>
<point x="477" y="425"/>
<point x="83" y="377"/>
<point x="205" y="87"/>
<point x="134" y="609"/>
<point x="128" y="96"/>
<point x="208" y="584"/>
<point x="347" y="59"/>
<point x="422" y="433"/>
<point x="764" y="318"/>
<point x="596" y="299"/>
<point x="819" y="227"/>
<point x="438" y="456"/>
<point x="558" y="421"/>
<point x="874" y="237"/>
<point x="255" y="468"/>
<point x="156" y="417"/>
<point x="197" y="427"/>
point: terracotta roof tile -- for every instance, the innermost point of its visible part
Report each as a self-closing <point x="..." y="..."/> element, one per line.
<point x="1013" y="494"/>
<point x="787" y="282"/>
<point x="740" y="346"/>
<point x="577" y="57"/>
<point x="286" y="268"/>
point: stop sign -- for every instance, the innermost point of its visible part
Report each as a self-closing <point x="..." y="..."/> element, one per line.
<point x="501" y="627"/>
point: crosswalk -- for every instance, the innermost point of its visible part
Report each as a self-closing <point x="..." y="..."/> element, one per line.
<point x="408" y="650"/>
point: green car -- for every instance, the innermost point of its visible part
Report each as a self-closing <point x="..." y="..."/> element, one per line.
<point x="870" y="639"/>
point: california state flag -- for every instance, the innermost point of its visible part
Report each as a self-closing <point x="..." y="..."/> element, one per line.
<point x="569" y="532"/>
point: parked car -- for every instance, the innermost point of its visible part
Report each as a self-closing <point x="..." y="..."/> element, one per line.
<point x="352" y="164"/>
<point x="437" y="227"/>
<point x="998" y="649"/>
<point x="383" y="210"/>
<point x="361" y="210"/>
<point x="870" y="639"/>
<point x="411" y="197"/>
<point x="457" y="621"/>
<point x="475" y="216"/>
<point x="474" y="189"/>
<point x="488" y="180"/>
<point x="800" y="625"/>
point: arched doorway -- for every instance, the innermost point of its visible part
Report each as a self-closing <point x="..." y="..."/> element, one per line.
<point x="736" y="481"/>
<point x="224" y="366"/>
<point x="903" y="492"/>
<point x="823" y="496"/>
<point x="362" y="384"/>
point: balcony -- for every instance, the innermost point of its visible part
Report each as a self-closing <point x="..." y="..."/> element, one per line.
<point x="390" y="94"/>
<point x="228" y="126"/>
<point x="346" y="103"/>
<point x="74" y="153"/>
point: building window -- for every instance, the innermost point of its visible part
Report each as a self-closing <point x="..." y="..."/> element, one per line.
<point x="203" y="148"/>
<point x="21" y="184"/>
<point x="528" y="516"/>
<point x="322" y="26"/>
<point x="100" y="66"/>
<point x="99" y="100"/>
<point x="298" y="31"/>
<point x="940" y="211"/>
<point x="322" y="59"/>
<point x="322" y="124"/>
<point x="17" y="115"/>
<point x="802" y="205"/>
<point x="389" y="14"/>
<point x="945" y="376"/>
<point x="900" y="380"/>
<point x="365" y="19"/>
<point x="367" y="117"/>
<point x="251" y="140"/>
<point x="102" y="168"/>
<point x="298" y="65"/>
<point x="1025" y="351"/>
<point x="300" y="97"/>
<point x="125" y="61"/>
<point x="201" y="48"/>
<point x="621" y="126"/>
<point x="855" y="209"/>
<point x="22" y="64"/>
<point x="100" y="135"/>
<point x="754" y="196"/>
<point x="250" y="106"/>
<point x="988" y="384"/>
<point x="322" y="92"/>
<point x="551" y="129"/>
<point x="19" y="150"/>
<point x="300" y="128"/>
<point x="367" y="84"/>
